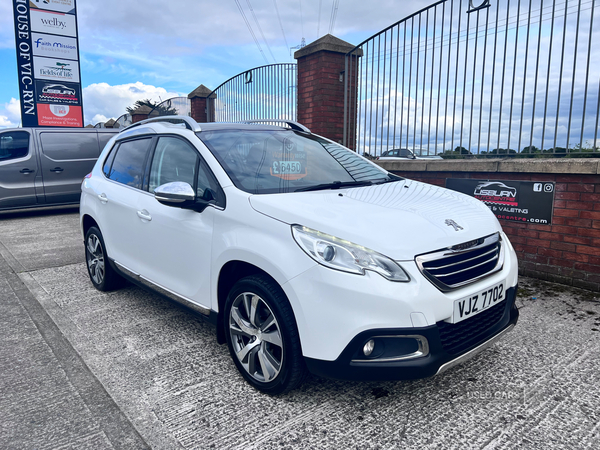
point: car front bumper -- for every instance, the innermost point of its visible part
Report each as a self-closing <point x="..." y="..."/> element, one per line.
<point x="446" y="346"/>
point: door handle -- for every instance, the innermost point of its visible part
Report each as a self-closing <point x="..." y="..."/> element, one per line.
<point x="103" y="198"/>
<point x="144" y="215"/>
<point x="27" y="171"/>
<point x="57" y="170"/>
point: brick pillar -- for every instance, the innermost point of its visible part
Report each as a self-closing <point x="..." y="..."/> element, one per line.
<point x="140" y="114"/>
<point x="201" y="100"/>
<point x="321" y="72"/>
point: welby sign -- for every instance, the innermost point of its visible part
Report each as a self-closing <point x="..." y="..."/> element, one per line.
<point x="48" y="62"/>
<point x="519" y="201"/>
<point x="53" y="23"/>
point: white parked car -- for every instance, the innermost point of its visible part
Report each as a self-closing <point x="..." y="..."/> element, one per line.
<point x="306" y="256"/>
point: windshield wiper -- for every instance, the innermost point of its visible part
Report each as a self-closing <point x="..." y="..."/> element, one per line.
<point x="335" y="185"/>
<point x="390" y="179"/>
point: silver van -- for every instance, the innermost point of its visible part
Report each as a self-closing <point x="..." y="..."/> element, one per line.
<point x="45" y="166"/>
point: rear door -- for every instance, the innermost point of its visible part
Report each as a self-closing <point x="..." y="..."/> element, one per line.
<point x="119" y="197"/>
<point x="18" y="170"/>
<point x="66" y="157"/>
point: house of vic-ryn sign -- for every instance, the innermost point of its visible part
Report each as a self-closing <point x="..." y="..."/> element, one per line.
<point x="48" y="63"/>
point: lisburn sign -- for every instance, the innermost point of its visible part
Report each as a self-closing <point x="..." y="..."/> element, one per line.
<point x="519" y="201"/>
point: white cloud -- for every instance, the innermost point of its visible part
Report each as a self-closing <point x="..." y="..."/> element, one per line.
<point x="10" y="114"/>
<point x="102" y="101"/>
<point x="99" y="118"/>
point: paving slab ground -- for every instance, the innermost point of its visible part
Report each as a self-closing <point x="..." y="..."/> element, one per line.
<point x="163" y="382"/>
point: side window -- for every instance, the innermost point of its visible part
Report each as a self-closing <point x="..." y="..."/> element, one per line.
<point x="108" y="162"/>
<point x="14" y="144"/>
<point x="128" y="164"/>
<point x="64" y="146"/>
<point x="207" y="181"/>
<point x="174" y="160"/>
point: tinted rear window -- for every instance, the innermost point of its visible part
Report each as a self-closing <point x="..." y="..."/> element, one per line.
<point x="128" y="165"/>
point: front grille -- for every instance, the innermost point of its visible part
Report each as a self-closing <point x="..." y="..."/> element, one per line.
<point x="458" y="337"/>
<point x="462" y="264"/>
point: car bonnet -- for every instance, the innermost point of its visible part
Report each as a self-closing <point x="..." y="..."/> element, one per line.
<point x="400" y="219"/>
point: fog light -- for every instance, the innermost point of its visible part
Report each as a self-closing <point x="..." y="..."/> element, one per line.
<point x="369" y="347"/>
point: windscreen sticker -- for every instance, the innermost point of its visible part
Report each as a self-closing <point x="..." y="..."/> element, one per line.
<point x="288" y="170"/>
<point x="289" y="164"/>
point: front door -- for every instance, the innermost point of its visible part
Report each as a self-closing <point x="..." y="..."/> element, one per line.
<point x="174" y="244"/>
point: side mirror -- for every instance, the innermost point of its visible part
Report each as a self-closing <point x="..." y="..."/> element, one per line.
<point x="179" y="194"/>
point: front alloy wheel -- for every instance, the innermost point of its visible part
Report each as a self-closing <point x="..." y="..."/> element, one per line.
<point x="262" y="335"/>
<point x="255" y="337"/>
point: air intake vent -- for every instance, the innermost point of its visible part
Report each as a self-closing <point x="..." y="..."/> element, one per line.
<point x="462" y="264"/>
<point x="456" y="338"/>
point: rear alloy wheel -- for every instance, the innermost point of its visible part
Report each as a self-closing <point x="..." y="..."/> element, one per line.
<point x="102" y="275"/>
<point x="262" y="335"/>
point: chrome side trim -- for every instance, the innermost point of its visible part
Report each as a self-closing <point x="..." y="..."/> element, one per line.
<point x="126" y="271"/>
<point x="422" y="350"/>
<point x="471" y="353"/>
<point x="164" y="291"/>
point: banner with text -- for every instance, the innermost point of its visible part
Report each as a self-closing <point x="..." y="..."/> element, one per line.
<point x="520" y="201"/>
<point x="48" y="63"/>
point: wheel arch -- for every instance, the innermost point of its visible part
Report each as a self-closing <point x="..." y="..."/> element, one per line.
<point x="87" y="222"/>
<point x="231" y="273"/>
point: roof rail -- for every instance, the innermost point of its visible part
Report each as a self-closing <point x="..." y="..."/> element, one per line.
<point x="189" y="123"/>
<point x="290" y="123"/>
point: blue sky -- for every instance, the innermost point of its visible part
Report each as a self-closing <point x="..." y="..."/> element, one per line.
<point x="157" y="49"/>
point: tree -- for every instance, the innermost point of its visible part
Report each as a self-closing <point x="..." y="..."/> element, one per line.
<point x="139" y="103"/>
<point x="530" y="149"/>
<point x="160" y="108"/>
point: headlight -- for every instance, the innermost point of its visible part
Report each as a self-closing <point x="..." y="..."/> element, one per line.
<point x="342" y="255"/>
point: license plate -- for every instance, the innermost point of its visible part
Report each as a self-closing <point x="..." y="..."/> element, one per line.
<point x="470" y="306"/>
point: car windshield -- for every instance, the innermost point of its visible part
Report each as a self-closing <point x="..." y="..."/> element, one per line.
<point x="277" y="161"/>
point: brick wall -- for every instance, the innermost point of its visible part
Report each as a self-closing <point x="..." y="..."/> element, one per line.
<point x="198" y="109"/>
<point x="321" y="82"/>
<point x="321" y="94"/>
<point x="568" y="250"/>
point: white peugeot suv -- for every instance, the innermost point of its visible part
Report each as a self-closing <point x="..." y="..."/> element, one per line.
<point x="306" y="256"/>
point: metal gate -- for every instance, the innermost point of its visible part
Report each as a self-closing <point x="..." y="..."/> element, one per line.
<point x="266" y="92"/>
<point x="501" y="77"/>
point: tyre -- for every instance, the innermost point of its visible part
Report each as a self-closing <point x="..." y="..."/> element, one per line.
<point x="102" y="275"/>
<point x="262" y="335"/>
